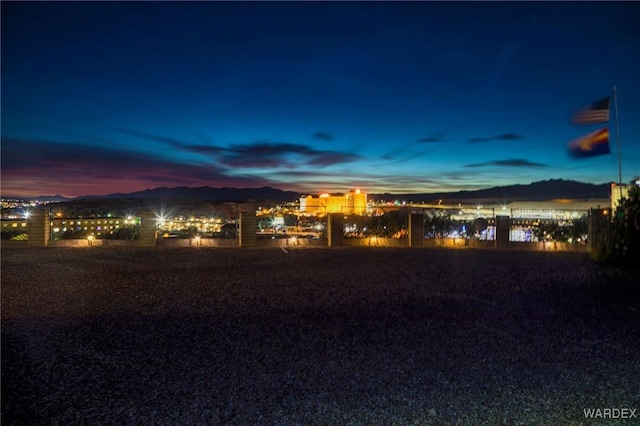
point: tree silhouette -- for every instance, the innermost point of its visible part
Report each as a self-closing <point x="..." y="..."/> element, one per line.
<point x="626" y="229"/>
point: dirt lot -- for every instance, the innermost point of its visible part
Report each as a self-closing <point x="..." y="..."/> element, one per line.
<point x="315" y="336"/>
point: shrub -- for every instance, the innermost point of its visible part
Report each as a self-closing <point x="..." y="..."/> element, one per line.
<point x="626" y="230"/>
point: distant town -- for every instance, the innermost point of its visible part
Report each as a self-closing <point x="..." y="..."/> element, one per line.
<point x="561" y="219"/>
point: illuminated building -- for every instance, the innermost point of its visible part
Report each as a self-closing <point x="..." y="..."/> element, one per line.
<point x="618" y="192"/>
<point x="353" y="202"/>
<point x="98" y="227"/>
<point x="103" y="227"/>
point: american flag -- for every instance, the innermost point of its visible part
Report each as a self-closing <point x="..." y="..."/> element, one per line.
<point x="597" y="112"/>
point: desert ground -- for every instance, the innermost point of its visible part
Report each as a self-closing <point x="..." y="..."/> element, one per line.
<point x="326" y="336"/>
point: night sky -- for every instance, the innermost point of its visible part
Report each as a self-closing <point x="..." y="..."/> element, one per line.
<point x="111" y="97"/>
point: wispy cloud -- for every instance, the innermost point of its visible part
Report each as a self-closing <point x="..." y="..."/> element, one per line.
<point x="516" y="162"/>
<point x="436" y="137"/>
<point x="154" y="138"/>
<point x="499" y="66"/>
<point x="340" y="181"/>
<point x="413" y="156"/>
<point x="501" y="137"/>
<point x="266" y="154"/>
<point x="73" y="170"/>
<point x="263" y="154"/>
<point x="478" y="140"/>
<point x="37" y="167"/>
<point x="85" y="169"/>
<point x="407" y="147"/>
<point x="323" y="136"/>
<point x="508" y="137"/>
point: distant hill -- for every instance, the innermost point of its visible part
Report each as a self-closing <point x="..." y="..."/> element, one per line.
<point x="207" y="193"/>
<point x="51" y="198"/>
<point x="542" y="190"/>
<point x="536" y="191"/>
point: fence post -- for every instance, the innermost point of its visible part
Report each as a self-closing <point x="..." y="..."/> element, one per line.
<point x="335" y="229"/>
<point x="416" y="229"/>
<point x="247" y="229"/>
<point x="147" y="228"/>
<point x="503" y="226"/>
<point x="598" y="238"/>
<point x="39" y="228"/>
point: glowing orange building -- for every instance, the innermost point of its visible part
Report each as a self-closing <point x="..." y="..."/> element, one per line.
<point x="353" y="202"/>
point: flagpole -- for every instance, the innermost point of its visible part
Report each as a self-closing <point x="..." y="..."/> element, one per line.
<point x="615" y="102"/>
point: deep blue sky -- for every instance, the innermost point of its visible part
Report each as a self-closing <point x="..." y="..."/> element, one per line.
<point x="389" y="97"/>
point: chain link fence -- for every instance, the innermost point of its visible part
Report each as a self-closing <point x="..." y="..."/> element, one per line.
<point x="527" y="225"/>
<point x="549" y="225"/>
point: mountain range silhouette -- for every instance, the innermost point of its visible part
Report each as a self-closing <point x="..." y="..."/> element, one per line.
<point x="541" y="190"/>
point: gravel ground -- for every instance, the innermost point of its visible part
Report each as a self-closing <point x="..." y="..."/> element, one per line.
<point x="369" y="336"/>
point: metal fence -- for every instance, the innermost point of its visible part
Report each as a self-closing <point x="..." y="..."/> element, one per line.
<point x="16" y="230"/>
<point x="566" y="226"/>
<point x="476" y="223"/>
<point x="527" y="225"/>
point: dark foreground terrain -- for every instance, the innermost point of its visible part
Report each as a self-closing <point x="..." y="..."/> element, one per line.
<point x="201" y="336"/>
